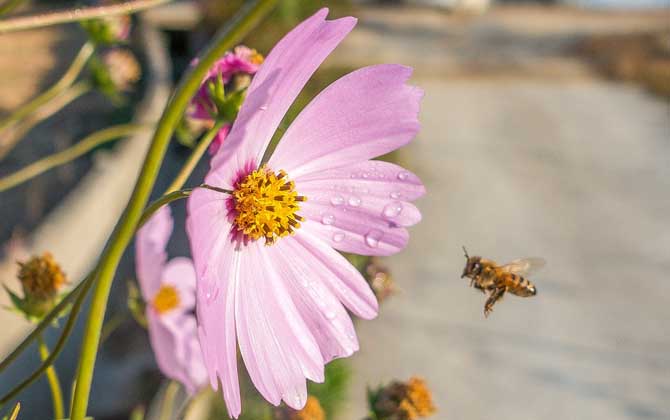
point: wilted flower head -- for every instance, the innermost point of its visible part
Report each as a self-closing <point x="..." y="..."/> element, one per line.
<point x="230" y="74"/>
<point x="124" y="70"/>
<point x="380" y="280"/>
<point x="168" y="287"/>
<point x="41" y="280"/>
<point x="270" y="278"/>
<point x="311" y="411"/>
<point x="409" y="400"/>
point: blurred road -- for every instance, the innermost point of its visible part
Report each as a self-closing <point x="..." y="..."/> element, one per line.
<point x="572" y="169"/>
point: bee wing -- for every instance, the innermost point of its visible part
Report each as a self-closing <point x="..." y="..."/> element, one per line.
<point x="524" y="266"/>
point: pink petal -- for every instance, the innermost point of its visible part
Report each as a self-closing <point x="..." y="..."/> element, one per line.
<point x="342" y="278"/>
<point x="333" y="203"/>
<point x="217" y="266"/>
<point x="364" y="114"/>
<point x="371" y="177"/>
<point x="325" y="316"/>
<point x="150" y="255"/>
<point x="173" y="340"/>
<point x="354" y="232"/>
<point x="179" y="272"/>
<point x="275" y="86"/>
<point x="278" y="349"/>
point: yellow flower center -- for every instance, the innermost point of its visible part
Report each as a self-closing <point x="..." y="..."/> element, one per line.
<point x="166" y="299"/>
<point x="256" y="57"/>
<point x="266" y="204"/>
<point x="41" y="277"/>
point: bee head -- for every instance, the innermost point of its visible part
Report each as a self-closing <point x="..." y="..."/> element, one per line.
<point x="472" y="266"/>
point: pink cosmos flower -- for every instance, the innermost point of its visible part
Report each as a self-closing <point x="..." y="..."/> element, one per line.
<point x="242" y="60"/>
<point x="168" y="287"/>
<point x="270" y="278"/>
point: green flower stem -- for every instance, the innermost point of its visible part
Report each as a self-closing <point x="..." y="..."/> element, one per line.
<point x="54" y="383"/>
<point x="79" y="293"/>
<point x="46" y="322"/>
<point x="63" y="83"/>
<point x="75" y="15"/>
<point x="125" y="230"/>
<point x="18" y="131"/>
<point x="15" y="411"/>
<point x="167" y="405"/>
<point x="111" y="325"/>
<point x="82" y="147"/>
<point x="9" y="5"/>
<point x="195" y="157"/>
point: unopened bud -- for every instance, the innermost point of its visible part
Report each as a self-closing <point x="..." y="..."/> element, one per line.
<point x="124" y="70"/>
<point x="380" y="280"/>
<point x="108" y="30"/>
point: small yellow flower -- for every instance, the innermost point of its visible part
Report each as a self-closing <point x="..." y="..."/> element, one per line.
<point x="312" y="411"/>
<point x="409" y="400"/>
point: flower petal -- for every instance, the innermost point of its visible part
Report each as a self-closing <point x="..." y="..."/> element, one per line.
<point x="344" y="281"/>
<point x="371" y="177"/>
<point x="179" y="272"/>
<point x="323" y="313"/>
<point x="275" y="86"/>
<point x="354" y="232"/>
<point x="364" y="114"/>
<point x="150" y="255"/>
<point x="173" y="340"/>
<point x="217" y="266"/>
<point x="331" y="203"/>
<point x="278" y="349"/>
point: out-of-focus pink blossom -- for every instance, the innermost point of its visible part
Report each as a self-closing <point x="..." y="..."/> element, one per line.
<point x="270" y="279"/>
<point x="168" y="287"/>
<point x="242" y="61"/>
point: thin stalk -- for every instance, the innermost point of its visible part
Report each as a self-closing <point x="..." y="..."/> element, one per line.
<point x="161" y="201"/>
<point x="82" y="147"/>
<point x="67" y="329"/>
<point x="75" y="15"/>
<point x="18" y="131"/>
<point x="9" y="5"/>
<point x="126" y="227"/>
<point x="167" y="405"/>
<point x="52" y="378"/>
<point x="15" y="411"/>
<point x="111" y="325"/>
<point x="195" y="157"/>
<point x="63" y="83"/>
<point x="46" y="322"/>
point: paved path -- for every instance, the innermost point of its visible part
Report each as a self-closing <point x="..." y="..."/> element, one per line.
<point x="576" y="171"/>
<point x="579" y="174"/>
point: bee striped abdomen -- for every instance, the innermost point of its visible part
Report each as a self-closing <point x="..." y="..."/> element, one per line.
<point x="519" y="285"/>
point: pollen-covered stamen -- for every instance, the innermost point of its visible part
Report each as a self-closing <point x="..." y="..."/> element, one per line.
<point x="166" y="299"/>
<point x="266" y="204"/>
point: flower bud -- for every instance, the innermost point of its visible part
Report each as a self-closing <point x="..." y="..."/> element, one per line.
<point x="41" y="280"/>
<point x="380" y="280"/>
<point x="109" y="30"/>
<point x="409" y="400"/>
<point x="114" y="73"/>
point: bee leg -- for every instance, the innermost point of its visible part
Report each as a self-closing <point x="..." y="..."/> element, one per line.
<point x="476" y="285"/>
<point x="496" y="294"/>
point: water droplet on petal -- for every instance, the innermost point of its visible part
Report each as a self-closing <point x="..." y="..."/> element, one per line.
<point x="403" y="176"/>
<point x="337" y="200"/>
<point x="354" y="201"/>
<point x="392" y="210"/>
<point x="264" y="107"/>
<point x="373" y="237"/>
<point x="366" y="175"/>
<point x="338" y="237"/>
<point x="330" y="314"/>
<point x="210" y="292"/>
<point x="395" y="195"/>
<point x="328" y="219"/>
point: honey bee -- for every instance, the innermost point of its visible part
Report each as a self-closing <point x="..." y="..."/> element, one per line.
<point x="489" y="277"/>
